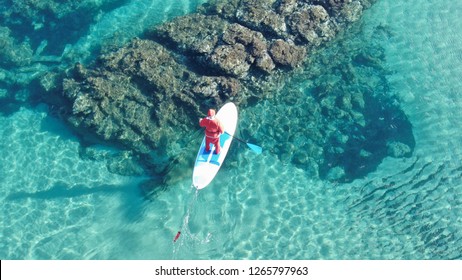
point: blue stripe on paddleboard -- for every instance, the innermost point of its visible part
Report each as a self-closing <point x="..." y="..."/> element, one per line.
<point x="223" y="138"/>
<point x="212" y="161"/>
<point x="215" y="162"/>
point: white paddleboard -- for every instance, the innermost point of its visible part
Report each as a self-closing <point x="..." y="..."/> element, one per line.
<point x="208" y="164"/>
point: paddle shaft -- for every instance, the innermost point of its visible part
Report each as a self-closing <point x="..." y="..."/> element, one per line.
<point x="238" y="139"/>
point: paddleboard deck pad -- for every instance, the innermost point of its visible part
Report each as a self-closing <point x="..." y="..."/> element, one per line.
<point x="207" y="164"/>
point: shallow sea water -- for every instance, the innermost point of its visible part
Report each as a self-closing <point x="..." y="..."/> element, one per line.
<point x="56" y="205"/>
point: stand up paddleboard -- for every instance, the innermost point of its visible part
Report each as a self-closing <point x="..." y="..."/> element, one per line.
<point x="208" y="164"/>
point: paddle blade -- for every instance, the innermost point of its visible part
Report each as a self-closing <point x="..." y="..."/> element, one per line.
<point x="255" y="148"/>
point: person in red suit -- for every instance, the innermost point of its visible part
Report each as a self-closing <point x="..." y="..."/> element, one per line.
<point x="213" y="129"/>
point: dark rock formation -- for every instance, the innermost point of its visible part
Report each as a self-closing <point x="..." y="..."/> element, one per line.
<point x="230" y="60"/>
<point x="311" y="25"/>
<point x="286" y="54"/>
<point x="195" y="34"/>
<point x="251" y="37"/>
<point x="129" y="94"/>
<point x="149" y="92"/>
<point x="255" y="44"/>
<point x="261" y="16"/>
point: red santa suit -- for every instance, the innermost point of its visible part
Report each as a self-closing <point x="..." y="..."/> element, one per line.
<point x="213" y="129"/>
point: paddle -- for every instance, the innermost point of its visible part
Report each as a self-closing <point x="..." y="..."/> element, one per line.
<point x="256" y="149"/>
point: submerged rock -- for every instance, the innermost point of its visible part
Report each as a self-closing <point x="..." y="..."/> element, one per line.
<point x="12" y="52"/>
<point x="286" y="53"/>
<point x="261" y="16"/>
<point x="195" y="34"/>
<point x="398" y="149"/>
<point x="255" y="44"/>
<point x="230" y="60"/>
<point x="312" y="24"/>
<point x="133" y="97"/>
<point x="336" y="174"/>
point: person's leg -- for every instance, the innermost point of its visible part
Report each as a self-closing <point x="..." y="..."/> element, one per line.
<point x="207" y="144"/>
<point x="216" y="142"/>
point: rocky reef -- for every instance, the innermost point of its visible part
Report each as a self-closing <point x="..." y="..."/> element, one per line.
<point x="148" y="94"/>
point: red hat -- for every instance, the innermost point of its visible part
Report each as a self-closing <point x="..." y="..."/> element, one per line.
<point x="211" y="113"/>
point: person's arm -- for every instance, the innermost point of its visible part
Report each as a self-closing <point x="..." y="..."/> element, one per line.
<point x="202" y="122"/>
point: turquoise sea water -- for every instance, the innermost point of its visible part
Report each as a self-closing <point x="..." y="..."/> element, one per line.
<point x="56" y="204"/>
